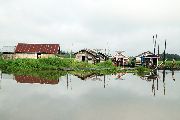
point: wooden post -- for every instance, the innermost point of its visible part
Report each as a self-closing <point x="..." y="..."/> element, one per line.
<point x="104" y="81"/>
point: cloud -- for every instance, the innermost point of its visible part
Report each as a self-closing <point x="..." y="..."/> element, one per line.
<point x="124" y="25"/>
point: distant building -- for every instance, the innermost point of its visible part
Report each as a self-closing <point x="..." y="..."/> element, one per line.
<point x="36" y="50"/>
<point x="8" y="52"/>
<point x="90" y="56"/>
<point x="119" y="59"/>
<point x="147" y="59"/>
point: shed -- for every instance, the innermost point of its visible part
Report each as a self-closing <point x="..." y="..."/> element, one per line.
<point x="8" y="52"/>
<point x="90" y="56"/>
<point x="147" y="59"/>
<point x="119" y="59"/>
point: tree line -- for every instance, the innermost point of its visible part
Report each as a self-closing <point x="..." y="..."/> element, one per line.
<point x="170" y="57"/>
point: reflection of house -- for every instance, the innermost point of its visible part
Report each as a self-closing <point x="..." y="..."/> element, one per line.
<point x="119" y="59"/>
<point x="36" y="50"/>
<point x="149" y="77"/>
<point x="90" y="56"/>
<point x="6" y="76"/>
<point x="85" y="76"/>
<point x="147" y="59"/>
<point x="120" y="75"/>
<point x="8" y="52"/>
<point x="89" y="76"/>
<point x="32" y="79"/>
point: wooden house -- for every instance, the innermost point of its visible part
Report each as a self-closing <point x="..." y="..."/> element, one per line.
<point x="36" y="50"/>
<point x="8" y="52"/>
<point x="147" y="59"/>
<point x="119" y="59"/>
<point x="90" y="56"/>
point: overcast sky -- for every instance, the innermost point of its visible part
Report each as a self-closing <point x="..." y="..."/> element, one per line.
<point x="126" y="25"/>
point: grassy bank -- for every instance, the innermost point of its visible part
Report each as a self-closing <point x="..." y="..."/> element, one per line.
<point x="50" y="64"/>
<point x="169" y="64"/>
<point x="63" y="64"/>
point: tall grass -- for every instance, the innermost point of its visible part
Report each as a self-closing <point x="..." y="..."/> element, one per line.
<point x="60" y="64"/>
<point x="169" y="64"/>
<point x="36" y="64"/>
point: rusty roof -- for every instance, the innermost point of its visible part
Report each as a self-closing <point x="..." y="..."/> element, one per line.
<point x="32" y="79"/>
<point x="37" y="48"/>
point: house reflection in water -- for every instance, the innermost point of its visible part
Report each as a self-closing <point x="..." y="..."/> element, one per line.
<point x="93" y="77"/>
<point x="154" y="78"/>
<point x="32" y="79"/>
<point x="86" y="76"/>
<point x="120" y="75"/>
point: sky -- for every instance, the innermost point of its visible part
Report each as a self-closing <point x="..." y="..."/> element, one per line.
<point x="118" y="25"/>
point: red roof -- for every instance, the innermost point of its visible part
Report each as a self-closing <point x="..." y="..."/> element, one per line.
<point x="37" y="48"/>
<point x="31" y="79"/>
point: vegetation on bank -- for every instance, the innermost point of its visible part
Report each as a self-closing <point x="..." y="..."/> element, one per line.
<point x="50" y="64"/>
<point x="170" y="64"/>
<point x="63" y="64"/>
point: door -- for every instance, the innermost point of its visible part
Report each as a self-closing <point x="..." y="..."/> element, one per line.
<point x="83" y="58"/>
<point x="38" y="55"/>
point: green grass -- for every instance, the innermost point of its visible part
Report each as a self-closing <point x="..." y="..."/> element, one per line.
<point x="56" y="63"/>
<point x="169" y="64"/>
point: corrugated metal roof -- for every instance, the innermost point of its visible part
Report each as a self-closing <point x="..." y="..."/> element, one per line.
<point x="9" y="49"/>
<point x="92" y="52"/>
<point x="37" y="48"/>
<point x="145" y="53"/>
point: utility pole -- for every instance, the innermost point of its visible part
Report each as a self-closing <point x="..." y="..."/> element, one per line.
<point x="71" y="51"/>
<point x="154" y="43"/>
<point x="164" y="58"/>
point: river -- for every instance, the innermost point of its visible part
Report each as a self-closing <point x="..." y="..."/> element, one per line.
<point x="123" y="96"/>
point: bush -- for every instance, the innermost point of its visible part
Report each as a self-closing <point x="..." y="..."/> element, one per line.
<point x="106" y="64"/>
<point x="142" y="69"/>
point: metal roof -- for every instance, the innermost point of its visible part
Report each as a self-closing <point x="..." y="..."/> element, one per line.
<point x="37" y="48"/>
<point x="145" y="54"/>
<point x="92" y="53"/>
<point x="9" y="49"/>
<point x="152" y="56"/>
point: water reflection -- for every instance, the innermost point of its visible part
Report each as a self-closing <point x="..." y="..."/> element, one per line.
<point x="85" y="76"/>
<point x="154" y="77"/>
<point x="125" y="96"/>
<point x="93" y="77"/>
<point x="157" y="83"/>
<point x="119" y="76"/>
<point x="32" y="79"/>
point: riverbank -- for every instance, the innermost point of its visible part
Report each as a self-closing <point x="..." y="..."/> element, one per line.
<point x="64" y="64"/>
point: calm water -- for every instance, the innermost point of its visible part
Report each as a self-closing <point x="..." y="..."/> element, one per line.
<point x="111" y="97"/>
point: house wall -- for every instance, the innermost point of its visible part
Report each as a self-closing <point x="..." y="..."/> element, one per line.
<point x="47" y="55"/>
<point x="88" y="58"/>
<point x="138" y="60"/>
<point x="8" y="56"/>
<point x="79" y="56"/>
<point x="33" y="56"/>
<point x="25" y="55"/>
